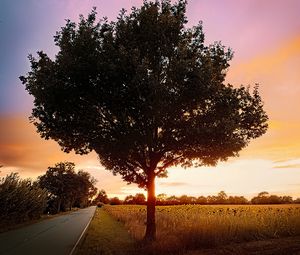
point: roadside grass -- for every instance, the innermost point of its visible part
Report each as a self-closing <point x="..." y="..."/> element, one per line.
<point x="106" y="236"/>
<point x="195" y="230"/>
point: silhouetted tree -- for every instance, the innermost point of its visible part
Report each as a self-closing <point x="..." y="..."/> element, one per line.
<point x="287" y="200"/>
<point x="129" y="200"/>
<point x="263" y="194"/>
<point x="161" y="199"/>
<point x="115" y="201"/>
<point x="66" y="187"/>
<point x="139" y="199"/>
<point x="265" y="198"/>
<point x="102" y="197"/>
<point x="55" y="180"/>
<point x="297" y="200"/>
<point x="20" y="200"/>
<point x="184" y="199"/>
<point x="238" y="200"/>
<point x="201" y="200"/>
<point x="173" y="200"/>
<point x="145" y="93"/>
<point x="85" y="188"/>
<point x="221" y="198"/>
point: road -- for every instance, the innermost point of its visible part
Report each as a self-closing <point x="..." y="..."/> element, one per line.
<point x="55" y="236"/>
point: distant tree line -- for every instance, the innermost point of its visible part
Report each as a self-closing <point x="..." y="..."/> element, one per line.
<point x="59" y="189"/>
<point x="222" y="198"/>
<point x="265" y="198"/>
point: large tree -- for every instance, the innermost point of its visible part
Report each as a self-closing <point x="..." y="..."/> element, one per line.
<point x="145" y="93"/>
<point x="66" y="187"/>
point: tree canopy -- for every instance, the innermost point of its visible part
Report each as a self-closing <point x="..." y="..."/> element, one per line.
<point x="20" y="200"/>
<point x="144" y="92"/>
<point x="66" y="187"/>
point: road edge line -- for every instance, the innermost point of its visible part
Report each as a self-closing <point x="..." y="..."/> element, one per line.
<point x="82" y="234"/>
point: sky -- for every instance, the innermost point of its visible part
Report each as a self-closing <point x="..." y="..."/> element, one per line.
<point x="265" y="38"/>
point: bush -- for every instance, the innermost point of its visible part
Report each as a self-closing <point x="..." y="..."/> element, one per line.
<point x="20" y="200"/>
<point x="100" y="204"/>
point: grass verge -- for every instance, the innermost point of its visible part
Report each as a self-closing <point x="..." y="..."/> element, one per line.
<point x="105" y="236"/>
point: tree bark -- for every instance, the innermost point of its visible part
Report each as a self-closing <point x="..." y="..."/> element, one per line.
<point x="151" y="225"/>
<point x="58" y="205"/>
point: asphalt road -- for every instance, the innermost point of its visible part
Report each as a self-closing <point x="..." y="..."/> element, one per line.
<point x="55" y="236"/>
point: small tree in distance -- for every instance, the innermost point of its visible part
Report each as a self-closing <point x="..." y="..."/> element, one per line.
<point x="102" y="197"/>
<point x="145" y="93"/>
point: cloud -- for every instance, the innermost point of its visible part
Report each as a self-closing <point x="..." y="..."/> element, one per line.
<point x="22" y="148"/>
<point x="173" y="184"/>
<point x="288" y="166"/>
<point x="277" y="72"/>
<point x="293" y="163"/>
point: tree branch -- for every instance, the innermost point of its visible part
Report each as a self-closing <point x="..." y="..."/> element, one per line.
<point x="166" y="165"/>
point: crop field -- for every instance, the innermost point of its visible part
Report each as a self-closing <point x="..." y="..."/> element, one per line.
<point x="188" y="227"/>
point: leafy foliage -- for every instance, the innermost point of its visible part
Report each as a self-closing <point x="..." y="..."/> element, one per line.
<point x="265" y="198"/>
<point x="144" y="92"/>
<point x="138" y="199"/>
<point x="20" y="200"/>
<point x="101" y="197"/>
<point x="66" y="187"/>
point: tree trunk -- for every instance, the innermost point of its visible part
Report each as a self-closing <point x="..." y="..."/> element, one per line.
<point x="151" y="226"/>
<point x="58" y="205"/>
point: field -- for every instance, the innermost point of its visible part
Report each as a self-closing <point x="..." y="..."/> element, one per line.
<point x="193" y="227"/>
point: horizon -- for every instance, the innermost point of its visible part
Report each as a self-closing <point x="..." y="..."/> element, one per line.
<point x="266" y="40"/>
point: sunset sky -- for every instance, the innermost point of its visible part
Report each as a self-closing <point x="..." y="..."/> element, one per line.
<point x="265" y="36"/>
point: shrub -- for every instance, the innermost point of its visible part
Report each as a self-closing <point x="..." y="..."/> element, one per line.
<point x="20" y="200"/>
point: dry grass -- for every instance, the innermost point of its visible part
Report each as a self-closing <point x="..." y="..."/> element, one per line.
<point x="182" y="228"/>
<point x="106" y="236"/>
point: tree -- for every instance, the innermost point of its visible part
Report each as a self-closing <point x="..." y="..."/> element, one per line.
<point x="115" y="201"/>
<point x="129" y="200"/>
<point x="202" y="200"/>
<point x="161" y="199"/>
<point x="84" y="189"/>
<point x="263" y="194"/>
<point x="184" y="199"/>
<point x="145" y="93"/>
<point x="287" y="200"/>
<point x="59" y="182"/>
<point x="222" y="197"/>
<point x="66" y="187"/>
<point x="102" y="197"/>
<point x="297" y="200"/>
<point x="20" y="200"/>
<point x="139" y="199"/>
<point x="237" y="200"/>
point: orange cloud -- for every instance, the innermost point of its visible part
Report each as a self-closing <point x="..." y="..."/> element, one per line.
<point x="22" y="148"/>
<point x="288" y="166"/>
<point x="277" y="71"/>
